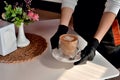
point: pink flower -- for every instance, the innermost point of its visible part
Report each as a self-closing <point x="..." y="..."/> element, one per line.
<point x="33" y="16"/>
<point x="30" y="14"/>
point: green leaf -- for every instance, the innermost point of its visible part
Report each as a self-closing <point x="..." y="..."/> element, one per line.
<point x="8" y="8"/>
<point x="18" y="10"/>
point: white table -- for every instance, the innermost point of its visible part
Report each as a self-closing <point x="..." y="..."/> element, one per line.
<point x="45" y="67"/>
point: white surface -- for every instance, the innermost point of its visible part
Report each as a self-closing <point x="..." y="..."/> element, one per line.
<point x="7" y="38"/>
<point x="22" y="41"/>
<point x="45" y="67"/>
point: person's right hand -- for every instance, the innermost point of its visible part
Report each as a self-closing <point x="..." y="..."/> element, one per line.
<point x="62" y="29"/>
<point x="88" y="53"/>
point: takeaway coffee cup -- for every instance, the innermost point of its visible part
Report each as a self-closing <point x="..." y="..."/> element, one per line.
<point x="68" y="44"/>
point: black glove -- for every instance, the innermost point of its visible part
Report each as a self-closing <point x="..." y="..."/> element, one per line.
<point x="88" y="52"/>
<point x="62" y="29"/>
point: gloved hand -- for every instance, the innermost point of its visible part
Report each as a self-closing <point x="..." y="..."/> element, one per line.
<point x="88" y="52"/>
<point x="62" y="29"/>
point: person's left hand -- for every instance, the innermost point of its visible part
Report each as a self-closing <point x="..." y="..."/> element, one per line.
<point x="62" y="29"/>
<point x="88" y="52"/>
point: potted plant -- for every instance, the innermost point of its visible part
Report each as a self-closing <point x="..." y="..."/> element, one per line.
<point x="15" y="14"/>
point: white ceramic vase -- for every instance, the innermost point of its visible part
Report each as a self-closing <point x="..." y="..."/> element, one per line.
<point x="22" y="41"/>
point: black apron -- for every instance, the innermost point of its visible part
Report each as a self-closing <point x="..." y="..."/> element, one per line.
<point x="86" y="19"/>
<point x="87" y="16"/>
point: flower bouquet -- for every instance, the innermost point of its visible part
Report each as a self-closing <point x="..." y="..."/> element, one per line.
<point x="19" y="16"/>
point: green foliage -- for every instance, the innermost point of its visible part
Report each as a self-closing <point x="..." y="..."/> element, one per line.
<point x="15" y="15"/>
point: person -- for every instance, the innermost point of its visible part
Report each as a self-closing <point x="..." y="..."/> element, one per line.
<point x="95" y="21"/>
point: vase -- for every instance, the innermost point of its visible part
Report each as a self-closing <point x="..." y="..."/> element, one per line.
<point x="22" y="41"/>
